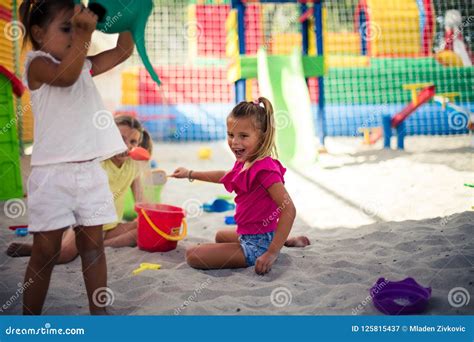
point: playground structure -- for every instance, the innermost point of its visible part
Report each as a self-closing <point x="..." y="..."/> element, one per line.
<point x="11" y="90"/>
<point x="367" y="59"/>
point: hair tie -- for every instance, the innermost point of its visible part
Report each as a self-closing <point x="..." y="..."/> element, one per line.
<point x="256" y="102"/>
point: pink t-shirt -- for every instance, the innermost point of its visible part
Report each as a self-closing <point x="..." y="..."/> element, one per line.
<point x="256" y="212"/>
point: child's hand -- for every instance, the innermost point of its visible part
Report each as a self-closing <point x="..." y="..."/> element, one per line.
<point x="264" y="262"/>
<point x="180" y="172"/>
<point x="83" y="20"/>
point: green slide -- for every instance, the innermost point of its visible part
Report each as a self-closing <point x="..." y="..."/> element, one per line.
<point x="281" y="79"/>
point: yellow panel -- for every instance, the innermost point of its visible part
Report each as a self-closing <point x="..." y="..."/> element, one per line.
<point x="338" y="61"/>
<point x="232" y="44"/>
<point x="248" y="90"/>
<point x="312" y="38"/>
<point x="28" y="121"/>
<point x="394" y="27"/>
<point x="130" y="80"/>
<point x="347" y="43"/>
<point x="8" y="4"/>
<point x="231" y="20"/>
<point x="284" y="43"/>
<point x="234" y="71"/>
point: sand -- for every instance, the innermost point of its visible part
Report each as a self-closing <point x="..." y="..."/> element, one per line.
<point x="369" y="214"/>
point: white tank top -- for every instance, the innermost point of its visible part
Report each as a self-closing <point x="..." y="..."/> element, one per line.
<point x="71" y="123"/>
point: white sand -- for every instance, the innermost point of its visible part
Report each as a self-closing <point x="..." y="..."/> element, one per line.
<point x="347" y="205"/>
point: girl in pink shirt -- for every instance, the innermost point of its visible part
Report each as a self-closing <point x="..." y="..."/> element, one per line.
<point x="265" y="211"/>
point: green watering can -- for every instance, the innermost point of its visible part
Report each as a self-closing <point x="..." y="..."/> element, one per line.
<point x="125" y="15"/>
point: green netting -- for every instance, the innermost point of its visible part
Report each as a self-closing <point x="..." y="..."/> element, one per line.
<point x="369" y="59"/>
<point x="382" y="81"/>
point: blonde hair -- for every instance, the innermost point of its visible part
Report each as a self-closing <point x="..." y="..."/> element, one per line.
<point x="261" y="111"/>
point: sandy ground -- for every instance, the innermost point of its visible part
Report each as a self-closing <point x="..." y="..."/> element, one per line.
<point x="369" y="213"/>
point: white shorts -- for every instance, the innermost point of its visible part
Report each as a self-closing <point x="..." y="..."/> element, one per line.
<point x="69" y="194"/>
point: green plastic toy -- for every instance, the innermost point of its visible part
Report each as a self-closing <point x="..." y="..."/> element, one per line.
<point x="125" y="15"/>
<point x="281" y="79"/>
<point x="11" y="185"/>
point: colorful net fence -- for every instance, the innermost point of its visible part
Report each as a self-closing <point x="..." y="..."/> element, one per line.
<point x="380" y="55"/>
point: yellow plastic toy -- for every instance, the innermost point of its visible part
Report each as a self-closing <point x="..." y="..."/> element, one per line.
<point x="444" y="98"/>
<point x="205" y="153"/>
<point x="449" y="58"/>
<point x="146" y="266"/>
<point x="414" y="89"/>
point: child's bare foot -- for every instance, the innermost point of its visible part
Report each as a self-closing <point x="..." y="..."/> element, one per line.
<point x="299" y="241"/>
<point x="19" y="249"/>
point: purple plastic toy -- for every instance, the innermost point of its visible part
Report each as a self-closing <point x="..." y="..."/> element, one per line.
<point x="400" y="297"/>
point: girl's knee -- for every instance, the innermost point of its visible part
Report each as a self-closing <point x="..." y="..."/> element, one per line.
<point x="192" y="256"/>
<point x="90" y="249"/>
<point x="219" y="237"/>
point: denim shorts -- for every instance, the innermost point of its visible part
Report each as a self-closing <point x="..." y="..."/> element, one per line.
<point x="254" y="245"/>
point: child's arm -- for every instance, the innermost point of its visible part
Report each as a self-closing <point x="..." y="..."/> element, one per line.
<point x="287" y="216"/>
<point x="205" y="176"/>
<point x="137" y="190"/>
<point x="43" y="70"/>
<point x="107" y="60"/>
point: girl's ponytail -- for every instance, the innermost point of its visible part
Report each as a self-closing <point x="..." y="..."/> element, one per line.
<point x="147" y="141"/>
<point x="268" y="147"/>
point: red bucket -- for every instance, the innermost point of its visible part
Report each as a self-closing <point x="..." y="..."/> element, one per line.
<point x="159" y="226"/>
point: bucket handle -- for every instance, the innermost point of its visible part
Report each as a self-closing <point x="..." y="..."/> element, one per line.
<point x="163" y="234"/>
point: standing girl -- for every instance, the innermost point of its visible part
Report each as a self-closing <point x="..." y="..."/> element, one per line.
<point x="265" y="211"/>
<point x="73" y="133"/>
<point x="123" y="174"/>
